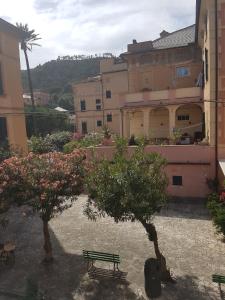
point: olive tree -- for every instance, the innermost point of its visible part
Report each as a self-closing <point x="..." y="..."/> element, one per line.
<point x="130" y="188"/>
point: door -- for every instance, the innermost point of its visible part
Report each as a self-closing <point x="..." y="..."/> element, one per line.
<point x="84" y="127"/>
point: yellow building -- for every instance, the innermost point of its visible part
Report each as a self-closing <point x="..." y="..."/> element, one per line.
<point x="12" y="120"/>
<point x="210" y="36"/>
<point x="97" y="99"/>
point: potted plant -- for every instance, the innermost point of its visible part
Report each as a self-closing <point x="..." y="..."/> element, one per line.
<point x="107" y="140"/>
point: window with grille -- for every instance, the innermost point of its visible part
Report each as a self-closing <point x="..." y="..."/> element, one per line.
<point x="108" y="94"/>
<point x="1" y="82"/>
<point x="99" y="123"/>
<point x="82" y="105"/>
<point x="109" y="117"/>
<point x="3" y="130"/>
<point x="177" y="180"/>
<point x="183" y="118"/>
<point x="206" y="65"/>
<point x="98" y="104"/>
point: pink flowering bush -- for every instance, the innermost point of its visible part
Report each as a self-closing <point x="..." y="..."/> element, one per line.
<point x="49" y="182"/>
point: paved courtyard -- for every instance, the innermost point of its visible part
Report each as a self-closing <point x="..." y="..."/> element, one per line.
<point x="188" y="240"/>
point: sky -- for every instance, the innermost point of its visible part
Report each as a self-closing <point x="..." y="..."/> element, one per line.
<point x="69" y="27"/>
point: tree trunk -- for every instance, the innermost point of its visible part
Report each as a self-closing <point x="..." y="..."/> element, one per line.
<point x="31" y="90"/>
<point x="152" y="236"/>
<point x="47" y="243"/>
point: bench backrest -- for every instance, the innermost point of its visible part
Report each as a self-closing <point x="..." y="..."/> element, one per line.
<point x="95" y="255"/>
<point x="218" y="278"/>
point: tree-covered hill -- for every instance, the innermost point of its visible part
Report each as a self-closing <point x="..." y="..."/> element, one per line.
<point x="55" y="75"/>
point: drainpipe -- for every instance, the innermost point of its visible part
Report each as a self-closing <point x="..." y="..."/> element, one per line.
<point x="121" y="114"/>
<point x="216" y="95"/>
<point x="103" y="106"/>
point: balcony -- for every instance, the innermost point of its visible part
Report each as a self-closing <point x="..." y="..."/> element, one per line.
<point x="162" y="98"/>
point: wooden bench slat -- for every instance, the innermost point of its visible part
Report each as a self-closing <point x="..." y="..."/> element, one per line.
<point x="93" y="257"/>
<point x="100" y="253"/>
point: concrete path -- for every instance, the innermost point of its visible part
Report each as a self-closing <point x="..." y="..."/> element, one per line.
<point x="188" y="240"/>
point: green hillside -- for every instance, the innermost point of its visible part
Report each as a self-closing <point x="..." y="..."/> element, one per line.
<point x="55" y="75"/>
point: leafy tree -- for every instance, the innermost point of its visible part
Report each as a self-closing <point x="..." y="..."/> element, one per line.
<point x="130" y="189"/>
<point x="47" y="121"/>
<point x="49" y="183"/>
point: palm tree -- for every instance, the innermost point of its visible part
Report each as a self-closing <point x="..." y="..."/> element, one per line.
<point x="28" y="40"/>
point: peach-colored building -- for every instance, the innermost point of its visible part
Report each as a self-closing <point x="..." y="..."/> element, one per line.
<point x="164" y="93"/>
<point x="173" y="84"/>
<point x="12" y="120"/>
<point x="151" y="91"/>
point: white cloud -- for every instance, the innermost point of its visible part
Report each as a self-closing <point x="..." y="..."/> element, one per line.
<point x="94" y="26"/>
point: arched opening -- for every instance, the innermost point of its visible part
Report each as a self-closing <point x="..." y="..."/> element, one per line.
<point x="189" y="121"/>
<point x="136" y="123"/>
<point x="159" y="123"/>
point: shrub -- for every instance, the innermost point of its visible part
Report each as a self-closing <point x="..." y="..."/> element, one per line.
<point x="216" y="205"/>
<point x="4" y="152"/>
<point x="39" y="145"/>
<point x="69" y="147"/>
<point x="59" y="139"/>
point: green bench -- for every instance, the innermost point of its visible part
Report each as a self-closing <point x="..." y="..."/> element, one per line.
<point x="92" y="256"/>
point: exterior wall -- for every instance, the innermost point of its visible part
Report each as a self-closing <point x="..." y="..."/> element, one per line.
<point x="156" y="70"/>
<point x="113" y="78"/>
<point x="221" y="78"/>
<point x="88" y="91"/>
<point x="11" y="102"/>
<point x="117" y="83"/>
<point x="206" y="39"/>
<point x="193" y="163"/>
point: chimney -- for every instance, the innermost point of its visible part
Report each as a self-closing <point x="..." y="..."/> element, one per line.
<point x="134" y="41"/>
<point x="164" y="33"/>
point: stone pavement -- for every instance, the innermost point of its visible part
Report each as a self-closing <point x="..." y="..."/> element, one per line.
<point x="187" y="239"/>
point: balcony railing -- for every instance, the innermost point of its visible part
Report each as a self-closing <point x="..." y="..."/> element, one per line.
<point x="164" y="97"/>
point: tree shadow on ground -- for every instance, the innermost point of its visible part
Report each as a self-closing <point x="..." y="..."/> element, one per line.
<point x="175" y="209"/>
<point x="66" y="278"/>
<point x="59" y="279"/>
<point x="106" y="289"/>
<point x="189" y="288"/>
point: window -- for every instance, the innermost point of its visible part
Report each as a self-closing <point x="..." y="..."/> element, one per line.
<point x="206" y="65"/>
<point x="108" y="94"/>
<point x="3" y="130"/>
<point x="82" y="105"/>
<point x="183" y="118"/>
<point x="1" y="82"/>
<point x="99" y="123"/>
<point x="84" y="127"/>
<point x="98" y="104"/>
<point x="177" y="180"/>
<point x="182" y="72"/>
<point x="109" y="117"/>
